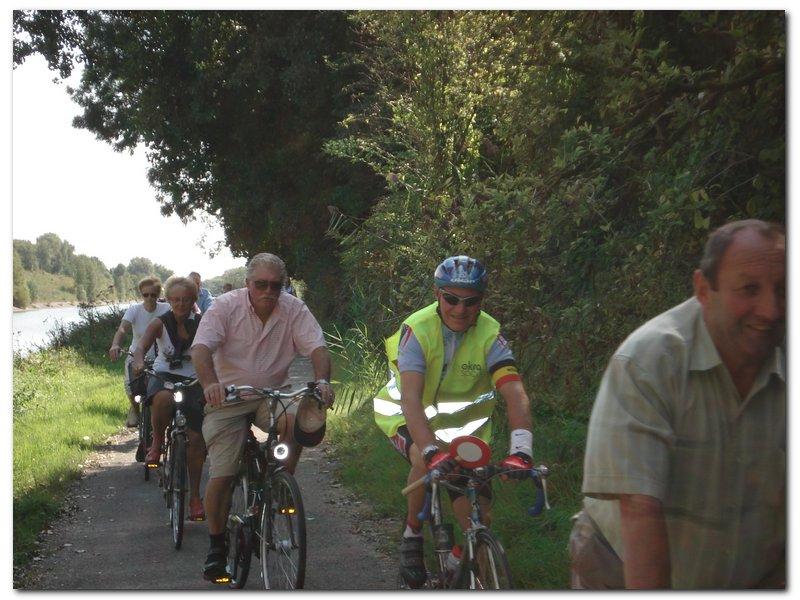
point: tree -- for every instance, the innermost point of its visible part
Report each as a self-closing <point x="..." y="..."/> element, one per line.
<point x="27" y="254"/>
<point x="233" y="108"/>
<point x="20" y="293"/>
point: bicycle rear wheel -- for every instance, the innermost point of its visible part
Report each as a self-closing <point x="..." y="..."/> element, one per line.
<point x="145" y="435"/>
<point x="177" y="488"/>
<point x="283" y="535"/>
<point x="488" y="569"/>
<point x="239" y="533"/>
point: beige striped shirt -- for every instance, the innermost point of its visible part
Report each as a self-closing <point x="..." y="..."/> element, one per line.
<point x="668" y="422"/>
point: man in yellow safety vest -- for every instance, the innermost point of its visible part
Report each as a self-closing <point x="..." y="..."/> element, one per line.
<point x="446" y="361"/>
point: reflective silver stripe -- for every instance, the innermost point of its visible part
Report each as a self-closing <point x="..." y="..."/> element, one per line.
<point x="430" y="412"/>
<point x="391" y="387"/>
<point x="448" y="408"/>
<point x="450" y="433"/>
<point x="386" y="408"/>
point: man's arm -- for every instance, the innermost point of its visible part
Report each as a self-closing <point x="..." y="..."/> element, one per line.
<point x="412" y="384"/>
<point x="645" y="543"/>
<point x="518" y="406"/>
<point x="123" y="329"/>
<point x="203" y="362"/>
<point x="321" y="363"/>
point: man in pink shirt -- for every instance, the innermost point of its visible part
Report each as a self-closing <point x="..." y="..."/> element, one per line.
<point x="250" y="336"/>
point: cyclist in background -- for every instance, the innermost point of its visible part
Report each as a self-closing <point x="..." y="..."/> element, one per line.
<point x="446" y="361"/>
<point x="174" y="331"/>
<point x="136" y="318"/>
<point x="204" y="297"/>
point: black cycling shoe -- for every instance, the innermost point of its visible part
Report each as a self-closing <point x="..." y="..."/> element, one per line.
<point x="215" y="569"/>
<point x="412" y="562"/>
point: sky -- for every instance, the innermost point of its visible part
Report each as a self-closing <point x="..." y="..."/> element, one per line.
<point x="68" y="182"/>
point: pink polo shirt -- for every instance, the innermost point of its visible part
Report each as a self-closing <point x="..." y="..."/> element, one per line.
<point x="249" y="353"/>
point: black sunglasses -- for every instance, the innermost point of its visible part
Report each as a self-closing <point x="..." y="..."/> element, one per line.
<point x="263" y="284"/>
<point x="454" y="300"/>
<point x="146" y="295"/>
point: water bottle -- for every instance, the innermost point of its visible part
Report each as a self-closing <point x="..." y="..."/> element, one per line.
<point x="452" y="562"/>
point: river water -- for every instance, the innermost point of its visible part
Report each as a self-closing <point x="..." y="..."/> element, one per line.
<point x="30" y="329"/>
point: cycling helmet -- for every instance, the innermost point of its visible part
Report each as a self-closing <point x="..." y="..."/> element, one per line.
<point x="461" y="272"/>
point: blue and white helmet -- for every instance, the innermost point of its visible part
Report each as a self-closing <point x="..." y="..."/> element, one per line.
<point x="461" y="272"/>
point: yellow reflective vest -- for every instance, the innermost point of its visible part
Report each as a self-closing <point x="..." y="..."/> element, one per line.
<point x="459" y="403"/>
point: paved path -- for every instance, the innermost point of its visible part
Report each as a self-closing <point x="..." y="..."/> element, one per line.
<point x="116" y="535"/>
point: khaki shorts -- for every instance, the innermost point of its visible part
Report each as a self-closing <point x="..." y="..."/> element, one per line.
<point x="595" y="565"/>
<point x="225" y="429"/>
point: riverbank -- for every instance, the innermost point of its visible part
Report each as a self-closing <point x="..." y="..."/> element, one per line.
<point x="62" y="304"/>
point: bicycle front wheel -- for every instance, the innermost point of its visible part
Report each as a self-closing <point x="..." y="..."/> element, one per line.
<point x="239" y="533"/>
<point x="488" y="569"/>
<point x="283" y="535"/>
<point x="177" y="488"/>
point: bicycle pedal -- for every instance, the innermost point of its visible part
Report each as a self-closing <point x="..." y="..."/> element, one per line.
<point x="152" y="465"/>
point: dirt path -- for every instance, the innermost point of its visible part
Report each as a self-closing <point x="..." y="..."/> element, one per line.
<point x="115" y="534"/>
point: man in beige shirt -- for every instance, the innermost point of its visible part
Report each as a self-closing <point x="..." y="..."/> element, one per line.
<point x="250" y="336"/>
<point x="685" y="466"/>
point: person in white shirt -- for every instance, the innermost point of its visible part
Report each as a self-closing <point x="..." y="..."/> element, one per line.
<point x="136" y="318"/>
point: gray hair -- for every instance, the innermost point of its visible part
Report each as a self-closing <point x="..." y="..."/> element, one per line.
<point x="184" y="282"/>
<point x="265" y="259"/>
<point x="722" y="237"/>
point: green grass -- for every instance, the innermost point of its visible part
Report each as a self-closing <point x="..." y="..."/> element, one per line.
<point x="536" y="546"/>
<point x="63" y="407"/>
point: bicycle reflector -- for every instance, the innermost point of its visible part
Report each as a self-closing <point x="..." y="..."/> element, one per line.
<point x="470" y="451"/>
<point x="281" y="451"/>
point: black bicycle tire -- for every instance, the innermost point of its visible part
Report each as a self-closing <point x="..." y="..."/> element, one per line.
<point x="485" y="540"/>
<point x="282" y="480"/>
<point x="146" y="436"/>
<point x="177" y="480"/>
<point x="240" y="538"/>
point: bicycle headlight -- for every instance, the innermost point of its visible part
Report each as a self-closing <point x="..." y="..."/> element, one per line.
<point x="179" y="396"/>
<point x="137" y="399"/>
<point x="281" y="451"/>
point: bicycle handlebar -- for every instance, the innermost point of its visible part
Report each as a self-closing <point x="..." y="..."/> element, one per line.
<point x="233" y="393"/>
<point x="538" y="474"/>
<point x="172" y="385"/>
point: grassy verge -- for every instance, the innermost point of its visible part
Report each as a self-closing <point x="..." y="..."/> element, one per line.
<point x="536" y="546"/>
<point x="66" y="400"/>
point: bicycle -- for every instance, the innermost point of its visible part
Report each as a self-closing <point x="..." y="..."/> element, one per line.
<point x="144" y="427"/>
<point x="172" y="470"/>
<point x="483" y="564"/>
<point x="266" y="516"/>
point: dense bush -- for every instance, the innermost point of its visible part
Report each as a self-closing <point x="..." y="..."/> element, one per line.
<point x="584" y="157"/>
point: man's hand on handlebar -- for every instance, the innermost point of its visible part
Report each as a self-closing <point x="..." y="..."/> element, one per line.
<point x="137" y="366"/>
<point x="114" y="352"/>
<point x="442" y="462"/>
<point x="325" y="392"/>
<point x="214" y="394"/>
<point x="519" y="464"/>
